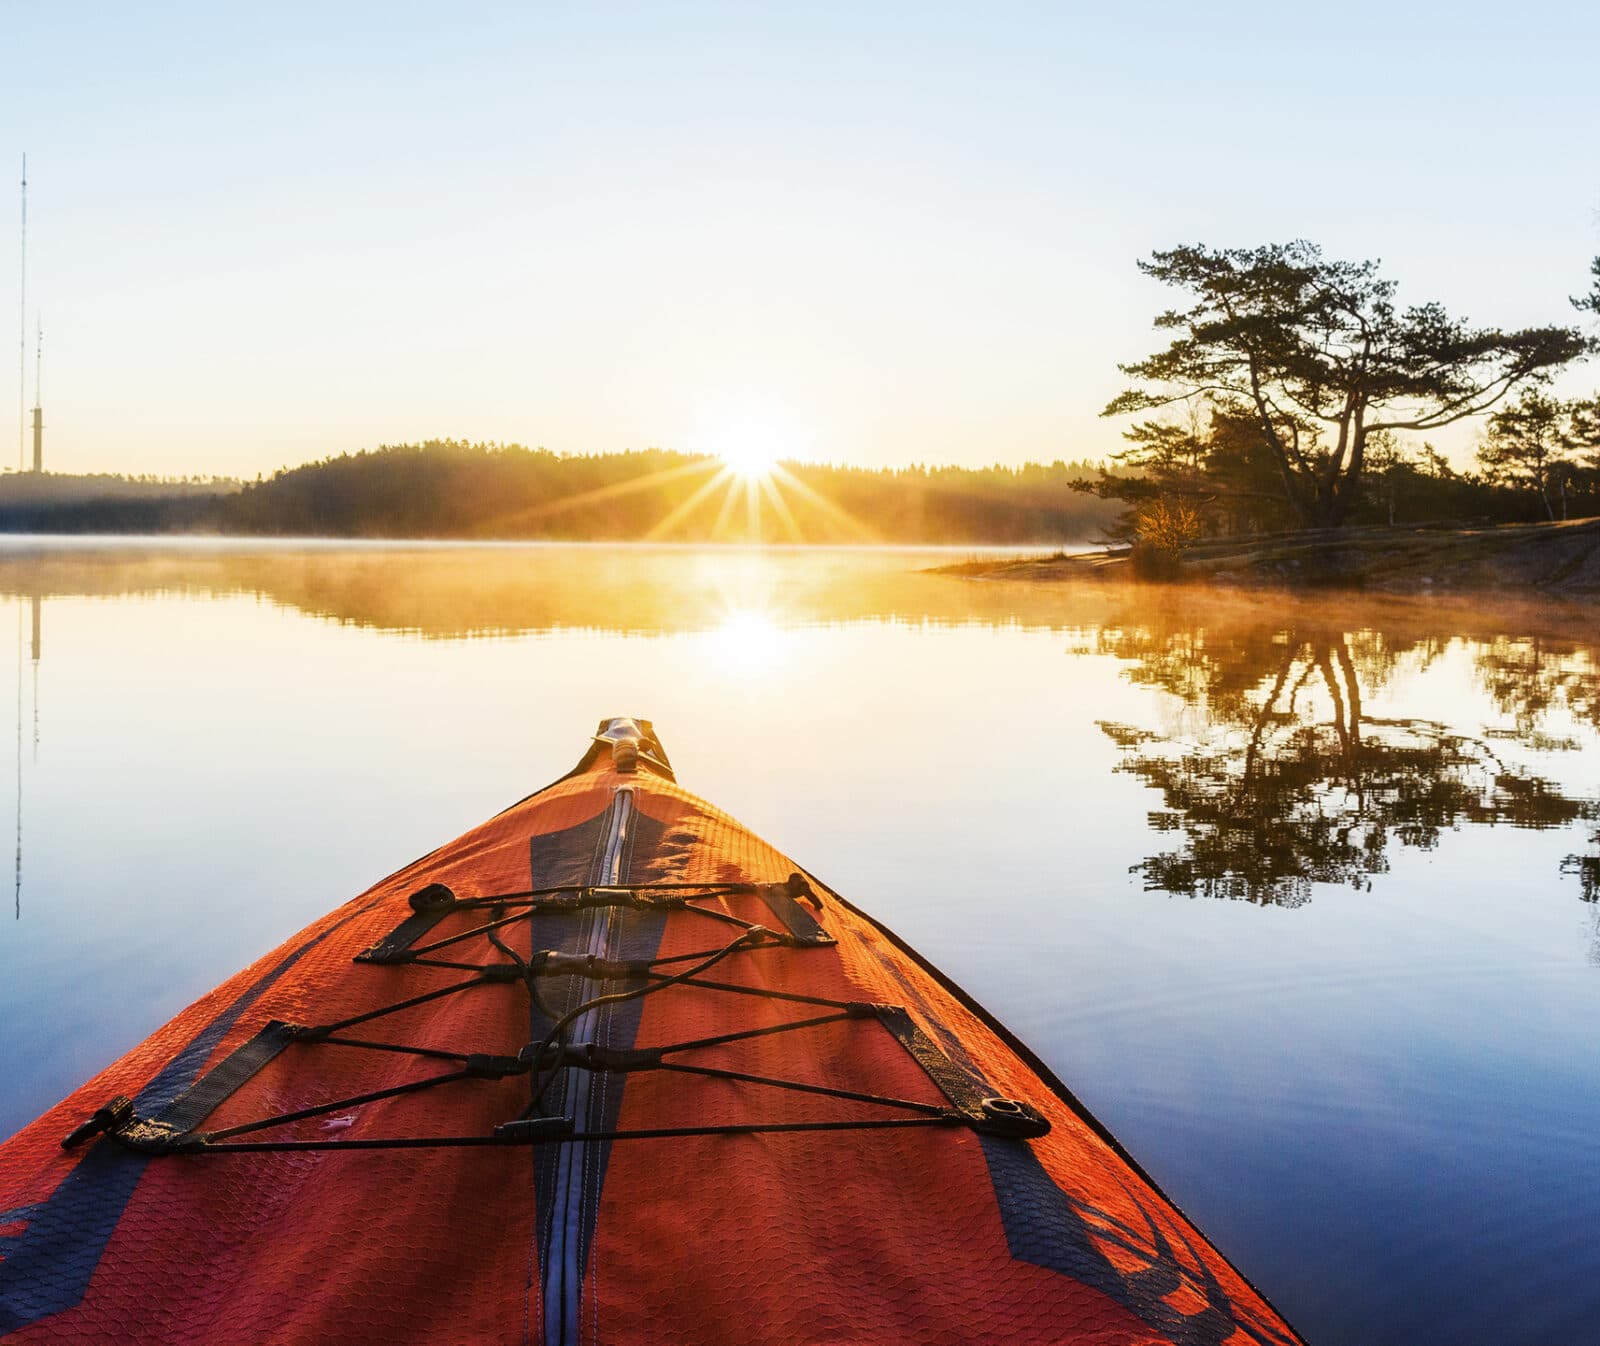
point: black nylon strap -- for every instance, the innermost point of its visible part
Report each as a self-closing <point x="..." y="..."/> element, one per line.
<point x="394" y="946"/>
<point x="207" y="1093"/>
<point x="990" y="1115"/>
<point x="799" y="922"/>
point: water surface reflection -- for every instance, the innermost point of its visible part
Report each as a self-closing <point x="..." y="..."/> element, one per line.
<point x="1370" y="1079"/>
<point x="1284" y="778"/>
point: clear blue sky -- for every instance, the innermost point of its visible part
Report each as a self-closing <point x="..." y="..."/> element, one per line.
<point x="877" y="232"/>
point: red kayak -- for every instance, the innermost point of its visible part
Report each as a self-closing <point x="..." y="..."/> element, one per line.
<point x="606" y="1069"/>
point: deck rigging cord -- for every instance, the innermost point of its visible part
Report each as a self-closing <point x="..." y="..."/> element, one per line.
<point x="176" y="1129"/>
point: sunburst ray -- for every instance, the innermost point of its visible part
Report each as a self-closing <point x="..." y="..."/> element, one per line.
<point x="780" y="507"/>
<point x="615" y="491"/>
<point x="720" y="528"/>
<point x="840" y="516"/>
<point x="687" y="507"/>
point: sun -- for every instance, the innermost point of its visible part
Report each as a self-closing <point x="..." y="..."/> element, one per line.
<point x="750" y="440"/>
<point x="751" y="459"/>
<point x="746" y="456"/>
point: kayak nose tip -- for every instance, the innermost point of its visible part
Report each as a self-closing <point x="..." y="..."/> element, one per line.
<point x="625" y="735"/>
<point x="632" y="740"/>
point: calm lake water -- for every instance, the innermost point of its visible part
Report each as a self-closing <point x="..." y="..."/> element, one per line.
<point x="1299" y="897"/>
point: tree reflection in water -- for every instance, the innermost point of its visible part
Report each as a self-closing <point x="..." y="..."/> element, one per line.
<point x="1279" y="779"/>
<point x="1587" y="870"/>
<point x="1529" y="677"/>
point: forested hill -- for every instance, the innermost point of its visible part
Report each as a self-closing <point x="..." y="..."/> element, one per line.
<point x="49" y="502"/>
<point x="449" y="489"/>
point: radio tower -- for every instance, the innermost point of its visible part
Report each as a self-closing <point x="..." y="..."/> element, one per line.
<point x="22" y="328"/>
<point x="38" y="406"/>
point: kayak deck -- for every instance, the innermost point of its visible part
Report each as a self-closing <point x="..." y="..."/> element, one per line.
<point x="608" y="1068"/>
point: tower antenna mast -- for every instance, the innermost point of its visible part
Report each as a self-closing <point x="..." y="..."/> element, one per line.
<point x="38" y="406"/>
<point x="22" y="329"/>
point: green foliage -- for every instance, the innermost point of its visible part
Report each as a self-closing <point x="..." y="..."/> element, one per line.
<point x="1526" y="447"/>
<point x="1162" y="529"/>
<point x="1216" y="462"/>
<point x="1582" y="432"/>
<point x="1168" y="524"/>
<point x="1305" y="360"/>
<point x="1590" y="303"/>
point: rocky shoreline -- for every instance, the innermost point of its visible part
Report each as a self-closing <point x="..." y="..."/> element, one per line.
<point x="1556" y="558"/>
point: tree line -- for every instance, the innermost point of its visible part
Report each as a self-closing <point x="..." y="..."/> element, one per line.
<point x="455" y="489"/>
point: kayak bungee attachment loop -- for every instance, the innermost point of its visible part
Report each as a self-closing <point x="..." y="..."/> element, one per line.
<point x="175" y="1129"/>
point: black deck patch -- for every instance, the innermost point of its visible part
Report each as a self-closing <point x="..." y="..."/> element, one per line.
<point x="799" y="922"/>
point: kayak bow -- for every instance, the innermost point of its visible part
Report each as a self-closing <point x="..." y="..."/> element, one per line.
<point x="608" y="1068"/>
